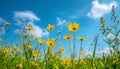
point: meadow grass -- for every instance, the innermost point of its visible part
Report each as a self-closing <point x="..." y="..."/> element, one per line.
<point x="32" y="52"/>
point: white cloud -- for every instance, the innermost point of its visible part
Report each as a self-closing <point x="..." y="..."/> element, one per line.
<point x="105" y="51"/>
<point x="39" y="31"/>
<point x="98" y="10"/>
<point x="24" y="15"/>
<point x="20" y="17"/>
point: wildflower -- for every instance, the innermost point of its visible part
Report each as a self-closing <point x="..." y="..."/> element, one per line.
<point x="81" y="52"/>
<point x="68" y="37"/>
<point x="82" y="38"/>
<point x="61" y="50"/>
<point x="41" y="42"/>
<point x="7" y="23"/>
<point x="59" y="58"/>
<point x="19" y="66"/>
<point x="82" y="61"/>
<point x="51" y="43"/>
<point x="35" y="37"/>
<point x="26" y="36"/>
<point x="6" y="51"/>
<point x="29" y="28"/>
<point x="50" y="54"/>
<point x="50" y="27"/>
<point x="15" y="48"/>
<point x="27" y="45"/>
<point x="67" y="61"/>
<point x="73" y="27"/>
<point x="103" y="20"/>
<point x="36" y="54"/>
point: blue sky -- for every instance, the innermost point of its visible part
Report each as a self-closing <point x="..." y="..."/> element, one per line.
<point x="42" y="12"/>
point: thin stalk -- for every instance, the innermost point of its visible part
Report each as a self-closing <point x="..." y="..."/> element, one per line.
<point x="80" y="48"/>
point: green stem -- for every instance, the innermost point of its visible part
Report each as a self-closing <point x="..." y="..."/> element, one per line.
<point x="80" y="48"/>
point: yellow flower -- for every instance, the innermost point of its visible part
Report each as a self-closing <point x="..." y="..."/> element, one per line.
<point x="6" y="51"/>
<point x="33" y="63"/>
<point x="19" y="66"/>
<point x="15" y="48"/>
<point x="68" y="37"/>
<point x="27" y="45"/>
<point x="81" y="52"/>
<point x="59" y="58"/>
<point x="35" y="37"/>
<point x="41" y="42"/>
<point x="61" y="50"/>
<point x="50" y="27"/>
<point x="103" y="20"/>
<point x="29" y="28"/>
<point x="7" y="23"/>
<point x="36" y="54"/>
<point x="50" y="54"/>
<point x="51" y="43"/>
<point x="67" y="61"/>
<point x="82" y="38"/>
<point x="73" y="27"/>
<point x="82" y="61"/>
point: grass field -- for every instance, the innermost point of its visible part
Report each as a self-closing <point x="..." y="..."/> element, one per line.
<point x="27" y="55"/>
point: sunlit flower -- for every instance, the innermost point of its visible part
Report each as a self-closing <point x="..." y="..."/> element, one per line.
<point x="41" y="42"/>
<point x="103" y="20"/>
<point x="50" y="27"/>
<point x="73" y="27"/>
<point x="33" y="63"/>
<point x="7" y="23"/>
<point x="19" y="66"/>
<point x="27" y="45"/>
<point x="6" y="51"/>
<point x="82" y="38"/>
<point x="50" y="54"/>
<point x="82" y="61"/>
<point x="68" y="37"/>
<point x="15" y="48"/>
<point x="59" y="58"/>
<point x="118" y="21"/>
<point x="29" y="28"/>
<point x="61" y="50"/>
<point x="81" y="52"/>
<point x="51" y="43"/>
<point x="36" y="54"/>
<point x="67" y="61"/>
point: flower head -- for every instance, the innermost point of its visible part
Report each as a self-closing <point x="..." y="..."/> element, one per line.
<point x="51" y="43"/>
<point x="50" y="27"/>
<point x="102" y="20"/>
<point x="82" y="38"/>
<point x="41" y="42"/>
<point x="19" y="66"/>
<point x="73" y="27"/>
<point x="68" y="37"/>
<point x="36" y="54"/>
<point x="7" y="23"/>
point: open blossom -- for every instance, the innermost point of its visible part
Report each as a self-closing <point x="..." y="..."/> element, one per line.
<point x="51" y="43"/>
<point x="73" y="27"/>
<point x="68" y="37"/>
<point x="50" y="27"/>
<point x="82" y="38"/>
